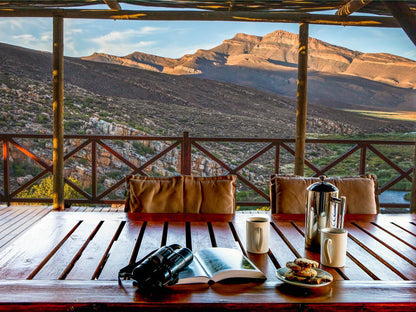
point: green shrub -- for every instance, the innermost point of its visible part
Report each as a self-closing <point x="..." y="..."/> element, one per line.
<point x="142" y="149"/>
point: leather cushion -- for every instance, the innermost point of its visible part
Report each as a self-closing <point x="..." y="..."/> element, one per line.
<point x="181" y="194"/>
<point x="288" y="193"/>
<point x="148" y="194"/>
<point x="209" y="194"/>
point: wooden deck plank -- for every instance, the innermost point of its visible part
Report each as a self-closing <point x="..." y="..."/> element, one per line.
<point x="8" y="216"/>
<point x="21" y="224"/>
<point x="23" y="255"/>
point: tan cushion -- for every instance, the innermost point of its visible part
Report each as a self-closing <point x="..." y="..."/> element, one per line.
<point x="209" y="194"/>
<point x="288" y="193"/>
<point x="148" y="194"/>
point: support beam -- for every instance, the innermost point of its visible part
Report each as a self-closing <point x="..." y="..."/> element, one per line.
<point x="113" y="4"/>
<point x="301" y="99"/>
<point x="407" y="20"/>
<point x="351" y="7"/>
<point x="259" y="17"/>
<point x="58" y="113"/>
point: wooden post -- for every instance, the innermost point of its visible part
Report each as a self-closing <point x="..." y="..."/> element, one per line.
<point x="301" y="99"/>
<point x="6" y="172"/>
<point x="406" y="18"/>
<point x="58" y="113"/>
<point x="186" y="161"/>
<point x="413" y="193"/>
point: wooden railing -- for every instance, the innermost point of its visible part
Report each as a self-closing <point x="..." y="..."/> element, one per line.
<point x="188" y="152"/>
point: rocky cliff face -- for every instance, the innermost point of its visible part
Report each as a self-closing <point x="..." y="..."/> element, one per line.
<point x="269" y="63"/>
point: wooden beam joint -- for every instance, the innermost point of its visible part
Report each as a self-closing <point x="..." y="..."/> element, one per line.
<point x="113" y="4"/>
<point x="351" y="7"/>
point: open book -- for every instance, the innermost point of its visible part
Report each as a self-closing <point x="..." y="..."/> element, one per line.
<point x="218" y="264"/>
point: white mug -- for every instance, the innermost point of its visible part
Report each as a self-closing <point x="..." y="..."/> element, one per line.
<point x="257" y="229"/>
<point x="333" y="247"/>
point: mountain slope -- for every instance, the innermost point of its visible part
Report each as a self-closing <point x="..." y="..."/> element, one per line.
<point x="161" y="103"/>
<point x="338" y="77"/>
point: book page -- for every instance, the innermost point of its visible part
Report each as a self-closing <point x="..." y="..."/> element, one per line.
<point x="221" y="263"/>
<point x="193" y="274"/>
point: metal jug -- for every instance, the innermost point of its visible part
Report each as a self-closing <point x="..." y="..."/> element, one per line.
<point x="323" y="210"/>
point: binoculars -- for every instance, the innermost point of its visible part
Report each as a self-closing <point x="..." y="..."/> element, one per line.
<point x="160" y="268"/>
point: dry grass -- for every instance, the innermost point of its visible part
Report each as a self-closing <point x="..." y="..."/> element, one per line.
<point x="407" y="116"/>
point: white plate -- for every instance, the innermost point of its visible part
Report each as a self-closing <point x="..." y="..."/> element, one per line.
<point x="280" y="273"/>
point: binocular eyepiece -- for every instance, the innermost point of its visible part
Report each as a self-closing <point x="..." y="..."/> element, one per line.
<point x="162" y="267"/>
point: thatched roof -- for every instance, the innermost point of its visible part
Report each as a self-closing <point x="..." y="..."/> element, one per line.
<point x="377" y="7"/>
<point x="378" y="13"/>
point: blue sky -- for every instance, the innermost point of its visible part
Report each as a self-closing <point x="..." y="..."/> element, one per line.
<point x="174" y="39"/>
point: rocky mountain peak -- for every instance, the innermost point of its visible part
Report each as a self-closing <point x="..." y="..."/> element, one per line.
<point x="269" y="63"/>
<point x="245" y="37"/>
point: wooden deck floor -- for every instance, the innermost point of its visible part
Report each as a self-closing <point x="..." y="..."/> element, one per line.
<point x="15" y="220"/>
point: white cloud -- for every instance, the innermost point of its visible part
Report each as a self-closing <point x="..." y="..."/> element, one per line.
<point x="125" y="41"/>
<point x="124" y="48"/>
<point x="125" y="35"/>
<point x="24" y="37"/>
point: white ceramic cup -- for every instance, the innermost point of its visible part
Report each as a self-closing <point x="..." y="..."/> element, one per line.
<point x="257" y="229"/>
<point x="333" y="247"/>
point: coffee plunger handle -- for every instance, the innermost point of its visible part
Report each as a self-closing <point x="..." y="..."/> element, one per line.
<point x="341" y="212"/>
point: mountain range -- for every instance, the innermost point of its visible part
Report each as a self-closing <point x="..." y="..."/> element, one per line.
<point x="168" y="104"/>
<point x="337" y="77"/>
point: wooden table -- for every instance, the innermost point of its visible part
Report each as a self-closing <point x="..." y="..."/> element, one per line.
<point x="68" y="261"/>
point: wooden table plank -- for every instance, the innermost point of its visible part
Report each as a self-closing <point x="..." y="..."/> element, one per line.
<point x="121" y="251"/>
<point x="137" y="238"/>
<point x="409" y="227"/>
<point x="278" y="246"/>
<point x="152" y="238"/>
<point x="25" y="254"/>
<point x="200" y="238"/>
<point x="90" y="259"/>
<point x="223" y="235"/>
<point x="262" y="261"/>
<point x="376" y="268"/>
<point x="297" y="241"/>
<point x="176" y="234"/>
<point x="61" y="262"/>
<point x="88" y="296"/>
<point x="402" y="230"/>
<point x="400" y="255"/>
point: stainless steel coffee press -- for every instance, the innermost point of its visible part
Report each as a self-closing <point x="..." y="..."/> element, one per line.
<point x="323" y="210"/>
